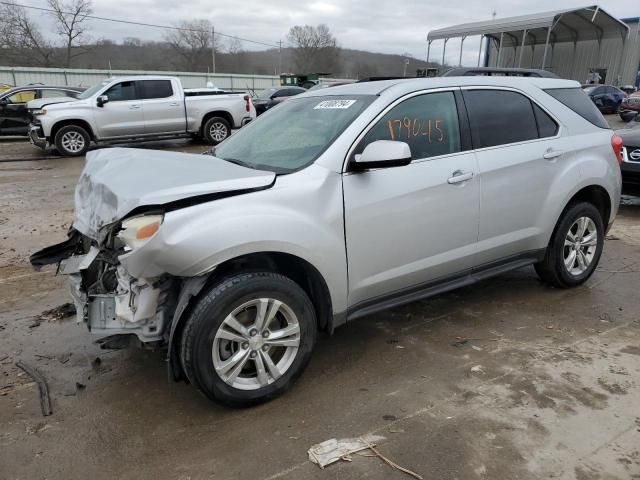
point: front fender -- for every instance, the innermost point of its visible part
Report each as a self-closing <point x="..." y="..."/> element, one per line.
<point x="303" y="218"/>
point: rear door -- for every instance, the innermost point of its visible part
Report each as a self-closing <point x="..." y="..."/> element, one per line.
<point x="163" y="107"/>
<point x="122" y="115"/>
<point x="519" y="154"/>
<point x="408" y="226"/>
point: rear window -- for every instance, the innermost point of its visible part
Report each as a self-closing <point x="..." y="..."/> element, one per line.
<point x="579" y="102"/>
<point x="156" y="89"/>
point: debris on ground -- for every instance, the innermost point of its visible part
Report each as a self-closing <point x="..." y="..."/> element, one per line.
<point x="45" y="401"/>
<point x="477" y="369"/>
<point x="58" y="313"/>
<point x="332" y="450"/>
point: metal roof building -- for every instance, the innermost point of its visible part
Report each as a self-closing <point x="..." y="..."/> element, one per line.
<point x="573" y="43"/>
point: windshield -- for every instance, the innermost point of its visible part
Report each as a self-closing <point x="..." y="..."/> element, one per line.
<point x="265" y="94"/>
<point x="89" y="92"/>
<point x="293" y="134"/>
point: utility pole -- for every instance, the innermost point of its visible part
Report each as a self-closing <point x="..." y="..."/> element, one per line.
<point x="213" y="48"/>
<point x="279" y="57"/>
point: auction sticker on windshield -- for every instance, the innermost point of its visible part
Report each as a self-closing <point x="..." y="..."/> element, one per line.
<point x="339" y="104"/>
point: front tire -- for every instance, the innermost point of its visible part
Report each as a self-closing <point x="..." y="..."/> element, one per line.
<point x="575" y="247"/>
<point x="216" y="130"/>
<point x="72" y="141"/>
<point x="248" y="338"/>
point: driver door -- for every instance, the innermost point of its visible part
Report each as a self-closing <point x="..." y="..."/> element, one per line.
<point x="123" y="114"/>
<point x="408" y="227"/>
<point x="14" y="117"/>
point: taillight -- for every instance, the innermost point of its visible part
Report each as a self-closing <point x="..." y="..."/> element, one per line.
<point x="616" y="144"/>
<point x="247" y="103"/>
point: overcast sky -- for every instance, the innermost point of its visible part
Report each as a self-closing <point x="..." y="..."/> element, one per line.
<point x="374" y="25"/>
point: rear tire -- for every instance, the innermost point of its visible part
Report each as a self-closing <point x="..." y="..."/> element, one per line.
<point x="575" y="247"/>
<point x="234" y="357"/>
<point x="72" y="141"/>
<point x="216" y="130"/>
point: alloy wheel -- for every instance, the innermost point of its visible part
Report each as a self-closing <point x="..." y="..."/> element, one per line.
<point x="73" y="142"/>
<point x="580" y="246"/>
<point x="256" y="344"/>
<point x="218" y="131"/>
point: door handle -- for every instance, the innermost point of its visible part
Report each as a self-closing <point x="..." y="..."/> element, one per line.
<point x="134" y="107"/>
<point x="174" y="104"/>
<point x="459" y="176"/>
<point x="551" y="154"/>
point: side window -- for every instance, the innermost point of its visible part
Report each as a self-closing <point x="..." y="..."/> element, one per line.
<point x="283" y="92"/>
<point x="547" y="126"/>
<point x="499" y="117"/>
<point x="22" y="96"/>
<point x="156" y="89"/>
<point x="54" y="93"/>
<point x="121" y="92"/>
<point x="428" y="123"/>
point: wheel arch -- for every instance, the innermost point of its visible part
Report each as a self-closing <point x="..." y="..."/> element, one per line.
<point x="77" y="122"/>
<point x="296" y="268"/>
<point x="217" y="113"/>
<point x="597" y="196"/>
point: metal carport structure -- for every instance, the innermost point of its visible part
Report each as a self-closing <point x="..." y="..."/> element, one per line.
<point x="548" y="28"/>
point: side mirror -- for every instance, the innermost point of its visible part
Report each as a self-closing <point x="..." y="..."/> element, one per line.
<point x="383" y="154"/>
<point x="4" y="101"/>
<point x="101" y="100"/>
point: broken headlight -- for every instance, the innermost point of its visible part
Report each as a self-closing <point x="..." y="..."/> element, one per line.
<point x="137" y="231"/>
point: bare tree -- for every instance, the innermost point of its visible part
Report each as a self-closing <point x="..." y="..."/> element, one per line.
<point x="192" y="44"/>
<point x="314" y="48"/>
<point x="234" y="47"/>
<point x="18" y="32"/>
<point x="71" y="25"/>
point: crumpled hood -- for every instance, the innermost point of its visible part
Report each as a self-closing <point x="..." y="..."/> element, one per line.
<point x="115" y="181"/>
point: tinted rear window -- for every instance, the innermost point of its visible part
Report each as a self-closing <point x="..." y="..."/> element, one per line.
<point x="156" y="89"/>
<point x="499" y="117"/>
<point x="579" y="102"/>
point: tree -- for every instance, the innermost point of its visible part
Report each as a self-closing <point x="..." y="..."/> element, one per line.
<point x="18" y="32"/>
<point x="192" y="43"/>
<point x="314" y="48"/>
<point x="71" y="24"/>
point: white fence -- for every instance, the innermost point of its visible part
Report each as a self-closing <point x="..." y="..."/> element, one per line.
<point x="19" y="76"/>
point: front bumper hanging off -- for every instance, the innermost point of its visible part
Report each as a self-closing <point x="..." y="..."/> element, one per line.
<point x="36" y="136"/>
<point x="135" y="306"/>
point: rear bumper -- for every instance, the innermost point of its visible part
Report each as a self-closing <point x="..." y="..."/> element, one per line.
<point x="245" y="120"/>
<point x="36" y="136"/>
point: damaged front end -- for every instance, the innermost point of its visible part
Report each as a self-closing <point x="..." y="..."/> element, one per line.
<point x="108" y="299"/>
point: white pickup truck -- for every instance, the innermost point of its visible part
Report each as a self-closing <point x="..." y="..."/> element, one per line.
<point x="141" y="108"/>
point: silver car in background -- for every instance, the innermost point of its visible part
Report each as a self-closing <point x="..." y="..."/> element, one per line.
<point x="334" y="205"/>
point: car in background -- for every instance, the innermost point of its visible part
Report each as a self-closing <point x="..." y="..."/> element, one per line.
<point x="630" y="107"/>
<point x="137" y="109"/>
<point x="271" y="97"/>
<point x="14" y="115"/>
<point x="630" y="158"/>
<point x="606" y="97"/>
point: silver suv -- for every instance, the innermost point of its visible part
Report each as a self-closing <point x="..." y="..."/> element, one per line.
<point x="334" y="205"/>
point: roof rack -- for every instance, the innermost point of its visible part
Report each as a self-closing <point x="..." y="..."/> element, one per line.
<point x="498" y="72"/>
